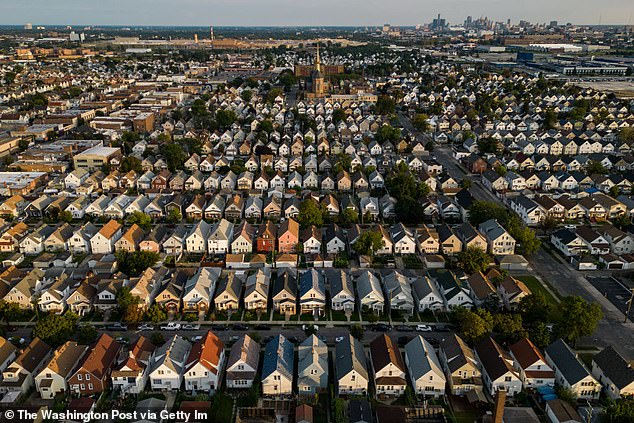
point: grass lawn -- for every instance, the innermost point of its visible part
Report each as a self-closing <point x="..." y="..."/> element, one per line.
<point x="535" y="286"/>
<point x="466" y="416"/>
<point x="338" y="316"/>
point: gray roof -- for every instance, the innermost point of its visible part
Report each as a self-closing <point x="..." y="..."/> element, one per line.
<point x="349" y="355"/>
<point x="615" y="367"/>
<point x="566" y="362"/>
<point x="312" y="353"/>
<point x="421" y="358"/>
<point x="278" y="355"/>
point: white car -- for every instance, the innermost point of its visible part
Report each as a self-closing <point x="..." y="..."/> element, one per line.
<point x="423" y="328"/>
<point x="171" y="326"/>
<point x="191" y="326"/>
<point x="339" y="339"/>
<point x="146" y="327"/>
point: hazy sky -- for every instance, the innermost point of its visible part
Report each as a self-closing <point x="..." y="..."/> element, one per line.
<point x="307" y="12"/>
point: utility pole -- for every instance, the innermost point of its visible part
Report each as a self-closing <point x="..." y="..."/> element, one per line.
<point x="629" y="304"/>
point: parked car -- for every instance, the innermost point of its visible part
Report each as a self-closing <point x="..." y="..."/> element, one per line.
<point x="191" y="326"/>
<point x="262" y="327"/>
<point x="339" y="339"/>
<point x="197" y="338"/>
<point x="423" y="328"/>
<point x="240" y="327"/>
<point x="381" y="327"/>
<point x="171" y="326"/>
<point x="219" y="328"/>
<point x="118" y="327"/>
<point x="122" y="340"/>
<point x="145" y="326"/>
<point x="403" y="328"/>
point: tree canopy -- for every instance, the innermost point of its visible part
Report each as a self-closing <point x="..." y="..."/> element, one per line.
<point x="55" y="329"/>
<point x="580" y="318"/>
<point x="474" y="259"/>
<point x="368" y="243"/>
<point x="135" y="262"/>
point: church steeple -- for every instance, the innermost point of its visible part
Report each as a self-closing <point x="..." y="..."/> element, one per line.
<point x="318" y="60"/>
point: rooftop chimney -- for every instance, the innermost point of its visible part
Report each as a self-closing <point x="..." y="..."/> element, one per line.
<point x="498" y="413"/>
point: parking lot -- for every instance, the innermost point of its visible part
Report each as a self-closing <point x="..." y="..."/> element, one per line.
<point x="613" y="290"/>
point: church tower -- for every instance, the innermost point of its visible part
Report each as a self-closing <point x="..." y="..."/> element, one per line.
<point x="319" y="87"/>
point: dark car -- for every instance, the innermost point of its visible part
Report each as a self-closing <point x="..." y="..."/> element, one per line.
<point x="217" y="328"/>
<point x="119" y="327"/>
<point x="382" y="327"/>
<point x="240" y="327"/>
<point x="403" y="328"/>
<point x="262" y="327"/>
<point x="442" y="329"/>
<point x="294" y="340"/>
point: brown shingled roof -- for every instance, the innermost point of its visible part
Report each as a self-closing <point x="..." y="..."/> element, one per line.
<point x="110" y="228"/>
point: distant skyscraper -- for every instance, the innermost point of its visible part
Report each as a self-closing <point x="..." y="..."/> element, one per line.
<point x="28" y="26"/>
<point x="438" y="24"/>
<point x="211" y="33"/>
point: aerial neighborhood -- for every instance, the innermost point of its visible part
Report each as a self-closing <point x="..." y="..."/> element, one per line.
<point x="293" y="227"/>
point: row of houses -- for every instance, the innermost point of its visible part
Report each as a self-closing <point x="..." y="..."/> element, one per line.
<point x="287" y="370"/>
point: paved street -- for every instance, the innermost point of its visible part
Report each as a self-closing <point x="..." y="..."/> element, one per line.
<point x="550" y="267"/>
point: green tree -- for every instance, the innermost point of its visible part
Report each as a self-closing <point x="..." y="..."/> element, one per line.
<point x="338" y="115"/>
<point x="174" y="156"/>
<point x="226" y="118"/>
<point x="155" y="314"/>
<point x="481" y="211"/>
<point x="626" y="135"/>
<point x="350" y="216"/>
<point x="128" y="305"/>
<point x="387" y="133"/>
<point x="368" y="243"/>
<point x="488" y="145"/>
<point x="129" y="163"/>
<point x="246" y="95"/>
<point x="579" y="318"/>
<point x="55" y="329"/>
<point x="534" y="308"/>
<point x="595" y="167"/>
<point x="65" y="216"/>
<point x="174" y="216"/>
<point x="9" y="311"/>
<point x="357" y="331"/>
<point x="87" y="334"/>
<point x="509" y="327"/>
<point x="473" y="325"/>
<point x="385" y="105"/>
<point x="134" y="263"/>
<point x="540" y="335"/>
<point x="527" y="240"/>
<point x="273" y="94"/>
<point x="620" y="411"/>
<point x="420" y="122"/>
<point x="473" y="260"/>
<point x="144" y="221"/>
<point x="310" y="213"/>
<point x="341" y="412"/>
